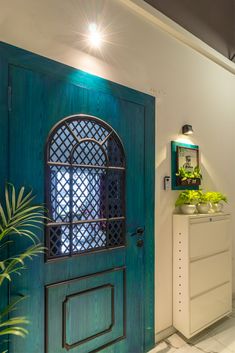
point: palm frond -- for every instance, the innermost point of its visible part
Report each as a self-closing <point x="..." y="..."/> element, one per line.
<point x="13" y="199"/>
<point x="11" y="307"/>
<point x="18" y="218"/>
<point x="3" y="217"/>
<point x="18" y="215"/>
<point x="5" y="244"/>
<point x="15" y="330"/>
<point x="8" y="205"/>
<point x="20" y="196"/>
<point x="14" y="321"/>
<point x="14" y="265"/>
<point x="12" y="326"/>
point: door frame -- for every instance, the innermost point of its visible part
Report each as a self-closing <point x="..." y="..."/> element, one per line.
<point x="10" y="55"/>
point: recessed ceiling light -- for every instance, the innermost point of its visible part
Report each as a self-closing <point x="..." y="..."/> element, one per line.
<point x="95" y="36"/>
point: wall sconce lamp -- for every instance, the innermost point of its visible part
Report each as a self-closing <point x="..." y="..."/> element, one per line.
<point x="187" y="129"/>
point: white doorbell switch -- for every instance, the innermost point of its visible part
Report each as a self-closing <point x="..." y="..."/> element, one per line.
<point x="167" y="183"/>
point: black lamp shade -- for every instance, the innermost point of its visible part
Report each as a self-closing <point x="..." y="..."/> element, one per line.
<point x="187" y="129"/>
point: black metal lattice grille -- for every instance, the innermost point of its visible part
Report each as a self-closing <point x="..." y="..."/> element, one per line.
<point x="85" y="187"/>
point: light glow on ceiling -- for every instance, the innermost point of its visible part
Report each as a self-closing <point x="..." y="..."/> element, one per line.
<point x="95" y="36"/>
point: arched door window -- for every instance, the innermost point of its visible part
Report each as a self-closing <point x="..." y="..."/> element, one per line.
<point x="85" y="187"/>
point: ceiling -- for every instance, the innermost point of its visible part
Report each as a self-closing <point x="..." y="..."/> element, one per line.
<point x="213" y="21"/>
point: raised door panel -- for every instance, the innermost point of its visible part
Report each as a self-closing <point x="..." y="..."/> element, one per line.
<point x="89" y="312"/>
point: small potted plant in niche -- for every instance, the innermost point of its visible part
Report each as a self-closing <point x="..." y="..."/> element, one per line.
<point x="203" y="205"/>
<point x="187" y="201"/>
<point x="186" y="178"/>
<point x="216" y="199"/>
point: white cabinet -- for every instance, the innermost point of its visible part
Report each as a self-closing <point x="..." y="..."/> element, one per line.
<point x="202" y="271"/>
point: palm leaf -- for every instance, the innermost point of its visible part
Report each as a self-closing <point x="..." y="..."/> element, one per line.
<point x="3" y="217"/>
<point x="11" y="307"/>
<point x="13" y="199"/>
<point x="15" y="330"/>
<point x="20" y="196"/>
<point x="19" y="215"/>
<point x="18" y="218"/>
<point x="7" y="202"/>
<point x="5" y="243"/>
<point x="15" y="265"/>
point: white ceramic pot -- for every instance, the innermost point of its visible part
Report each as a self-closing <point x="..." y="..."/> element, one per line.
<point x="217" y="207"/>
<point x="203" y="208"/>
<point x="188" y="209"/>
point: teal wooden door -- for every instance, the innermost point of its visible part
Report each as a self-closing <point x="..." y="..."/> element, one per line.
<point x="91" y="301"/>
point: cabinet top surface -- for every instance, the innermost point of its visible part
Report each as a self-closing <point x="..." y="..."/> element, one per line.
<point x="200" y="215"/>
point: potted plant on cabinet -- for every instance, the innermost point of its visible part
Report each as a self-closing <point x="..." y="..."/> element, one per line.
<point x="187" y="201"/>
<point x="216" y="199"/>
<point x="203" y="205"/>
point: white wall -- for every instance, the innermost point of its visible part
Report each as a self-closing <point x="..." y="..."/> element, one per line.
<point x="189" y="89"/>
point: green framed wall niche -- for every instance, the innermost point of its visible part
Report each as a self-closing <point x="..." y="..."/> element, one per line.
<point x="174" y="165"/>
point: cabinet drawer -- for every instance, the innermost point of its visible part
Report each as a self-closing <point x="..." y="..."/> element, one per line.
<point x="210" y="306"/>
<point x="208" y="237"/>
<point x="209" y="272"/>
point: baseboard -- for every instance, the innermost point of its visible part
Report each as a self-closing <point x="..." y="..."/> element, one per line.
<point x="159" y="336"/>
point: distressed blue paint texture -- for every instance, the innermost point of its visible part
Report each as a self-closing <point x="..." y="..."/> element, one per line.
<point x="43" y="92"/>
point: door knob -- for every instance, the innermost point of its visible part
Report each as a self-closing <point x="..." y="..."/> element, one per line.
<point x="139" y="231"/>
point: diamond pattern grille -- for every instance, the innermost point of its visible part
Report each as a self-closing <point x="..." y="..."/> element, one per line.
<point x="89" y="153"/>
<point x="59" y="243"/>
<point x="89" y="129"/>
<point x="115" y="186"/>
<point x="114" y="151"/>
<point x="88" y="236"/>
<point x="59" y="193"/>
<point x="61" y="145"/>
<point x="115" y="233"/>
<point x="88" y="194"/>
<point x="85" y="196"/>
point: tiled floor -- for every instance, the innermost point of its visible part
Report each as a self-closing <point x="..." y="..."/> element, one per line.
<point x="219" y="338"/>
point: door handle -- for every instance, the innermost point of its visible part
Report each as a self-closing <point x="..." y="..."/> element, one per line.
<point x="139" y="231"/>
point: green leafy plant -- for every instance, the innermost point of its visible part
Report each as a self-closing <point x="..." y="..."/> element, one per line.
<point x="187" y="197"/>
<point x="214" y="197"/>
<point x="18" y="219"/>
<point x="183" y="174"/>
<point x="203" y="197"/>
